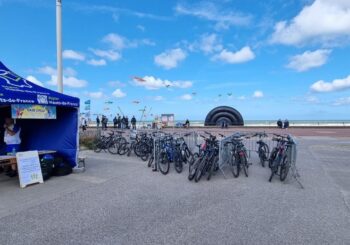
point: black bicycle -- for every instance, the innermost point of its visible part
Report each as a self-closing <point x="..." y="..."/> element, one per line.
<point x="263" y="149"/>
<point x="280" y="159"/>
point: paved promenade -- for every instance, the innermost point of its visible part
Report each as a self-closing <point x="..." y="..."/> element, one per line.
<point x="118" y="200"/>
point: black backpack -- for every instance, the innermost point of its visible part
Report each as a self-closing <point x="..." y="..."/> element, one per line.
<point x="61" y="168"/>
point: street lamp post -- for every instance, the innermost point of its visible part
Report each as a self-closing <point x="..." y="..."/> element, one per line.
<point x="59" y="45"/>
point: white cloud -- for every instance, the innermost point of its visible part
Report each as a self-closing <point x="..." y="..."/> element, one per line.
<point x="342" y="101"/>
<point x="208" y="43"/>
<point x="111" y="55"/>
<point x="96" y="95"/>
<point x="73" y="55"/>
<point x="223" y="19"/>
<point x="152" y="83"/>
<point x="34" y="80"/>
<point x="147" y="42"/>
<point x="69" y="77"/>
<point x="118" y="42"/>
<point x="116" y="84"/>
<point x="241" y="97"/>
<point x="48" y="70"/>
<point x="186" y="97"/>
<point x="312" y="99"/>
<point x="241" y="56"/>
<point x="158" y="98"/>
<point x="72" y="82"/>
<point x="118" y="11"/>
<point x="322" y="21"/>
<point x="118" y="93"/>
<point x="309" y="59"/>
<point x="335" y="85"/>
<point x="258" y="94"/>
<point x="141" y="28"/>
<point x="170" y="58"/>
<point x="94" y="62"/>
<point x="69" y="72"/>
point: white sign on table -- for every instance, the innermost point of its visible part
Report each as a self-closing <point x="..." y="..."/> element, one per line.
<point x="29" y="169"/>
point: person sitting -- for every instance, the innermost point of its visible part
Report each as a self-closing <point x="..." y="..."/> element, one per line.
<point x="286" y="124"/>
<point x="12" y="140"/>
<point x="187" y="123"/>
<point x="279" y="123"/>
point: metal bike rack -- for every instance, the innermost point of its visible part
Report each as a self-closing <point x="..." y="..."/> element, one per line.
<point x="252" y="147"/>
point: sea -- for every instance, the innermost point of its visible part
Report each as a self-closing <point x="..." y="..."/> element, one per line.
<point x="273" y="123"/>
<point x="260" y="123"/>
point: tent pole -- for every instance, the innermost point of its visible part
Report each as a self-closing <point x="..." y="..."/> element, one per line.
<point x="59" y="44"/>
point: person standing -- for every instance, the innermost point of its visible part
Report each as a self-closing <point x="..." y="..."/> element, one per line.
<point x="119" y="122"/>
<point x="133" y="122"/>
<point x="115" y="122"/>
<point x="123" y="122"/>
<point x="127" y="122"/>
<point x="97" y="122"/>
<point x="106" y="123"/>
<point x="12" y="140"/>
<point x="83" y="124"/>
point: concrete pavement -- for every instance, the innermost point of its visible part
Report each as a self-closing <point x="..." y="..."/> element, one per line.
<point x="118" y="200"/>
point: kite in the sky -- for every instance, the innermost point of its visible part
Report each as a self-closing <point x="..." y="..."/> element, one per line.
<point x="138" y="79"/>
<point x="229" y="94"/>
<point x="194" y="93"/>
<point x="109" y="102"/>
<point x="136" y="102"/>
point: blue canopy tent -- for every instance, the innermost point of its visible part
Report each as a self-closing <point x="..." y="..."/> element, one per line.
<point x="60" y="134"/>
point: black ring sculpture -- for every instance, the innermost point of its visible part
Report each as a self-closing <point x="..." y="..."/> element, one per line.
<point x="221" y="114"/>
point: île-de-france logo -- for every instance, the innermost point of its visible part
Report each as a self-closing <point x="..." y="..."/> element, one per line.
<point x="13" y="79"/>
<point x="42" y="99"/>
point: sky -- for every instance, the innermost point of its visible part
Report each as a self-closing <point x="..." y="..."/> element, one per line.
<point x="267" y="59"/>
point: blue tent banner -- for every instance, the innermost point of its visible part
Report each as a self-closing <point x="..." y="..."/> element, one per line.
<point x="25" y="111"/>
<point x="17" y="90"/>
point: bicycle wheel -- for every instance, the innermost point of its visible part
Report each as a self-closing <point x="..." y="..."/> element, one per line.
<point x="123" y="149"/>
<point x="200" y="171"/>
<point x="235" y="166"/>
<point x="213" y="167"/>
<point x="113" y="148"/>
<point x="97" y="146"/>
<point x="272" y="157"/>
<point x="150" y="161"/>
<point x="129" y="151"/>
<point x="274" y="168"/>
<point x="263" y="153"/>
<point x="145" y="157"/>
<point x="163" y="163"/>
<point x="193" y="169"/>
<point x="178" y="162"/>
<point x="284" y="169"/>
<point x="244" y="164"/>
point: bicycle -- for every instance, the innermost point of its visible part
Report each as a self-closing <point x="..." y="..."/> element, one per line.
<point x="239" y="159"/>
<point x="280" y="160"/>
<point x="263" y="149"/>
